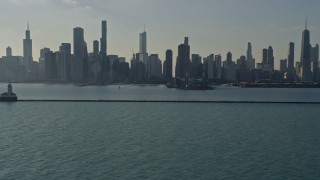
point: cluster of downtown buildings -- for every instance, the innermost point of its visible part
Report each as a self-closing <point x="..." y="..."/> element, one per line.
<point x="101" y="68"/>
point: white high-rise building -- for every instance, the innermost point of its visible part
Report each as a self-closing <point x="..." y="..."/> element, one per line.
<point x="142" y="56"/>
<point x="143" y="42"/>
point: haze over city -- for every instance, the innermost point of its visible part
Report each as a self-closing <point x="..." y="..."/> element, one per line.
<point x="215" y="26"/>
<point x="159" y="89"/>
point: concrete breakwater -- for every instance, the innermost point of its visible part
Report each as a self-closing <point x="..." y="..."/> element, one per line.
<point x="170" y="101"/>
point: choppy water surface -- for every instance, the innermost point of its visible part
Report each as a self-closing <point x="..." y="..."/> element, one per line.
<point x="159" y="141"/>
<point x="140" y="92"/>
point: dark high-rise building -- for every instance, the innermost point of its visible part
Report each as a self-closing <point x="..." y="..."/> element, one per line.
<point x="64" y="62"/>
<point x="267" y="60"/>
<point x="290" y="66"/>
<point x="218" y="67"/>
<point x="243" y="73"/>
<point x="196" y="66"/>
<point x="196" y="59"/>
<point x="209" y="67"/>
<point x="105" y="63"/>
<point x="242" y="63"/>
<point x="283" y="65"/>
<point x="51" y="66"/>
<point x="314" y="57"/>
<point x="9" y="51"/>
<point x="168" y="67"/>
<point x="229" y="69"/>
<point x="42" y="66"/>
<point x="154" y="67"/>
<point x="27" y="50"/>
<point x="270" y="58"/>
<point x="137" y="72"/>
<point x="121" y="70"/>
<point x="103" y="40"/>
<point x="305" y="63"/>
<point x="95" y="47"/>
<point x="229" y="58"/>
<point x="265" y="56"/>
<point x="43" y="53"/>
<point x="80" y="57"/>
<point x="85" y="62"/>
<point x="250" y="60"/>
<point x="183" y="59"/>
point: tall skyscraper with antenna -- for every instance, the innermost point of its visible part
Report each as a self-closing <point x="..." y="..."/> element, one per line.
<point x="183" y="59"/>
<point x="305" y="63"/>
<point x="27" y="50"/>
<point x="142" y="56"/>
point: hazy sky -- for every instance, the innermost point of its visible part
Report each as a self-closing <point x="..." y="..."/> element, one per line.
<point x="213" y="26"/>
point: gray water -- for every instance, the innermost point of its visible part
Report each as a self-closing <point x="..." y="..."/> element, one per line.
<point x="158" y="92"/>
<point x="55" y="140"/>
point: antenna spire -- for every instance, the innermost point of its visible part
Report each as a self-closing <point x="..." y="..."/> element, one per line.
<point x="306" y="23"/>
<point x="28" y="26"/>
<point x="144" y="28"/>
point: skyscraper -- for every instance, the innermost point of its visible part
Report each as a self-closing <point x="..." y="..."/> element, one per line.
<point x="229" y="58"/>
<point x="270" y="57"/>
<point x="196" y="69"/>
<point x="229" y="69"/>
<point x="9" y="51"/>
<point x="95" y="47"/>
<point x="291" y="74"/>
<point x="218" y="67"/>
<point x="168" y="68"/>
<point x="283" y="65"/>
<point x="79" y="55"/>
<point x="314" y="58"/>
<point x="265" y="56"/>
<point x="154" y="66"/>
<point x="250" y="60"/>
<point x="42" y="64"/>
<point x="183" y="59"/>
<point x="64" y="61"/>
<point x="211" y="67"/>
<point x="27" y="50"/>
<point x="143" y="42"/>
<point x="142" y="56"/>
<point x="305" y="73"/>
<point x="51" y="69"/>
<point x="103" y="39"/>
<point x="104" y="62"/>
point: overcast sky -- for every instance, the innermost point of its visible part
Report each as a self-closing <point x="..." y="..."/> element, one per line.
<point x="213" y="26"/>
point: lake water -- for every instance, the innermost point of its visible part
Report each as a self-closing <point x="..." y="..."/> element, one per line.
<point x="56" y="140"/>
<point x="158" y="92"/>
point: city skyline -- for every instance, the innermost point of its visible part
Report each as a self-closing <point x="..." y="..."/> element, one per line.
<point x="209" y="35"/>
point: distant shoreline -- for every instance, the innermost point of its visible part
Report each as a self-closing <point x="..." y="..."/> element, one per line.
<point x="172" y="101"/>
<point x="292" y="85"/>
<point x="79" y="84"/>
